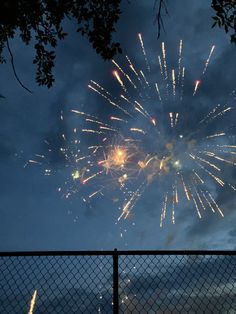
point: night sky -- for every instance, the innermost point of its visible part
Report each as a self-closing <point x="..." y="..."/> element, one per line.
<point x="34" y="216"/>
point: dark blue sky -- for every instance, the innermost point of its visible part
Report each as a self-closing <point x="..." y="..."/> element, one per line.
<point x="33" y="214"/>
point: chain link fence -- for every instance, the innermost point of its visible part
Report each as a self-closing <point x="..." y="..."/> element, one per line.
<point x="117" y="282"/>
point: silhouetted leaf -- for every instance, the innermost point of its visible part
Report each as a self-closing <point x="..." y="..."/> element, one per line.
<point x="43" y="20"/>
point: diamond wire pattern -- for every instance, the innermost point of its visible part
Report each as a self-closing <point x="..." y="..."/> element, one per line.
<point x="64" y="284"/>
<point x="147" y="284"/>
<point x="177" y="284"/>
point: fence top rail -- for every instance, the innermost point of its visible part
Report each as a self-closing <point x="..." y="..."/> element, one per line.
<point x="117" y="252"/>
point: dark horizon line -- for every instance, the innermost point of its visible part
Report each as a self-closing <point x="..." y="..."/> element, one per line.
<point x="117" y="252"/>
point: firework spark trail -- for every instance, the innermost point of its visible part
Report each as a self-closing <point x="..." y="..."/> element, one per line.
<point x="197" y="175"/>
<point x="144" y="77"/>
<point x="197" y="84"/>
<point x="208" y="59"/>
<point x="208" y="202"/>
<point x="101" y="88"/>
<point x="221" y="113"/>
<point x="218" y="180"/>
<point x="165" y="67"/>
<point x="145" y="114"/>
<point x="163" y="213"/>
<point x="108" y="129"/>
<point x="95" y="193"/>
<point x="176" y="118"/>
<point x="164" y="59"/>
<point x="34" y="162"/>
<point x="84" y="114"/>
<point x="210" y="154"/>
<point x="195" y="203"/>
<point x="158" y="92"/>
<point x="225" y="151"/>
<point x="173" y="206"/>
<point x="92" y="177"/>
<point x="131" y="202"/>
<point x="133" y="69"/>
<point x="144" y="111"/>
<point x="209" y="114"/>
<point x="137" y="130"/>
<point x="232" y="187"/>
<point x="40" y="156"/>
<point x="95" y="148"/>
<point x="32" y="303"/>
<point x="171" y="119"/>
<point x="92" y="131"/>
<point x="118" y="119"/>
<point x="124" y="73"/>
<point x="109" y="100"/>
<point x="185" y="188"/>
<point x="161" y="67"/>
<point x="216" y="135"/>
<point x="205" y="161"/>
<point x="131" y="66"/>
<point x="144" y="52"/>
<point x="176" y="194"/>
<point x="198" y="196"/>
<point x="182" y="84"/>
<point x="97" y="122"/>
<point x="200" y="200"/>
<point x="227" y="146"/>
<point x="180" y="59"/>
<point x="216" y="205"/>
<point x="117" y="76"/>
<point x="140" y="111"/>
<point x="173" y="82"/>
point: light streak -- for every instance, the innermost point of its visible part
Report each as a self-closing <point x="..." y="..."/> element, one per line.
<point x="125" y="74"/>
<point x="117" y="76"/>
<point x="180" y="58"/>
<point x="32" y="303"/>
<point x="160" y="64"/>
<point x="163" y="214"/>
<point x="92" y="177"/>
<point x="216" y="135"/>
<point x="92" y="131"/>
<point x="216" y="205"/>
<point x="173" y="81"/>
<point x="158" y="92"/>
<point x="137" y="130"/>
<point x="197" y="83"/>
<point x="143" y="49"/>
<point x="185" y="188"/>
<point x="205" y="161"/>
<point x="208" y="59"/>
<point x="118" y="119"/>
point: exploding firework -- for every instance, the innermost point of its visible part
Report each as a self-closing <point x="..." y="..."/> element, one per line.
<point x="151" y="139"/>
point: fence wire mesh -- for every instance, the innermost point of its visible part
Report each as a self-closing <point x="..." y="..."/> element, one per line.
<point x="64" y="284"/>
<point x="148" y="283"/>
<point x="177" y="284"/>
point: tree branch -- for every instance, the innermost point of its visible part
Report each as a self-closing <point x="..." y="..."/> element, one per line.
<point x="158" y="17"/>
<point x="14" y="70"/>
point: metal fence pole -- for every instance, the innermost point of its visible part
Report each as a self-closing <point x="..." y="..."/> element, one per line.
<point x="115" y="283"/>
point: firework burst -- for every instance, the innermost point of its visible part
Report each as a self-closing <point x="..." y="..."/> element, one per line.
<point x="151" y="139"/>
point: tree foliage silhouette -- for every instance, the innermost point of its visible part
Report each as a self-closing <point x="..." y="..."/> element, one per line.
<point x="41" y="21"/>
<point x="225" y="16"/>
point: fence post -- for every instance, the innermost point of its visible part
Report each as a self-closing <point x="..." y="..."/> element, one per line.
<point x="115" y="283"/>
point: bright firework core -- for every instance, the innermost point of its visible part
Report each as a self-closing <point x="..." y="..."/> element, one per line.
<point x="116" y="159"/>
